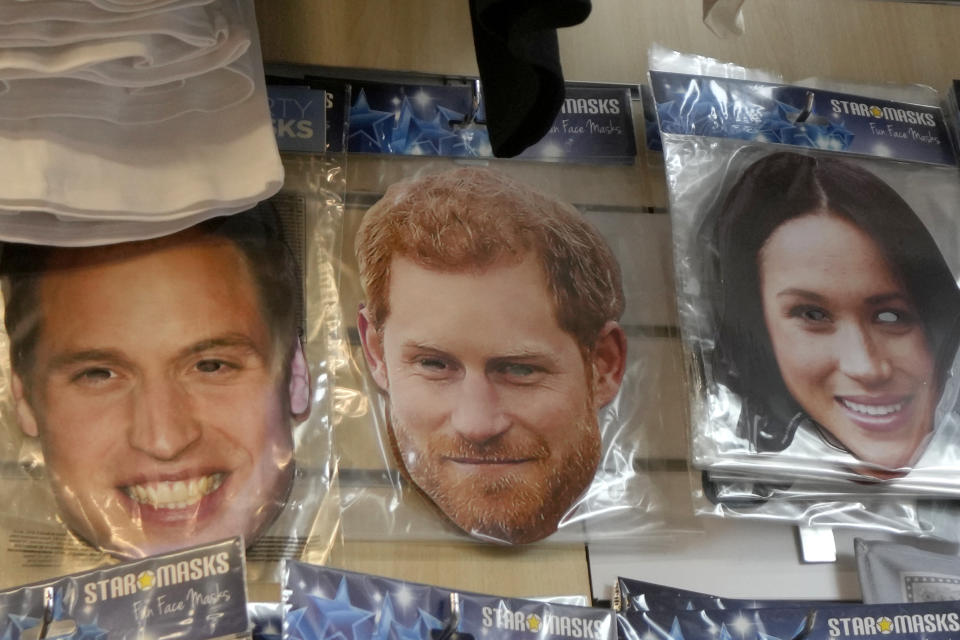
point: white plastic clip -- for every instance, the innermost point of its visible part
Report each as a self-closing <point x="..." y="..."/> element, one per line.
<point x="817" y="544"/>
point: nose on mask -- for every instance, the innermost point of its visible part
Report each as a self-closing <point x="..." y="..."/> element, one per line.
<point x="478" y="416"/>
<point x="861" y="358"/>
<point x="162" y="425"/>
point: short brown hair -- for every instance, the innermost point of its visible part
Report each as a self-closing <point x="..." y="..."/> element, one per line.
<point x="255" y="233"/>
<point x="472" y="218"/>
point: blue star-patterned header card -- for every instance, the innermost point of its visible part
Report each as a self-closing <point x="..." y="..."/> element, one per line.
<point x="799" y="117"/>
<point x="595" y="124"/>
<point x="916" y="621"/>
<point x="639" y="595"/>
<point x="330" y="604"/>
<point x="193" y="594"/>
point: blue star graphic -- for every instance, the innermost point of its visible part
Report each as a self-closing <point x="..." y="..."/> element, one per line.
<point x="427" y="623"/>
<point x="389" y="628"/>
<point x="676" y="633"/>
<point x="325" y="619"/>
<point x="401" y="130"/>
<point x="447" y="116"/>
<point x="89" y="632"/>
<point x="404" y="132"/>
<point x="421" y="136"/>
<point x="370" y="130"/>
<point x="18" y="624"/>
<point x="781" y="127"/>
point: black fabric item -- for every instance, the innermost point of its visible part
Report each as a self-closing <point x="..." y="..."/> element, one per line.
<point x="519" y="61"/>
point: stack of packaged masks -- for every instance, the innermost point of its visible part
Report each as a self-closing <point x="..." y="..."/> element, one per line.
<point x="173" y="391"/>
<point x="817" y="249"/>
<point x="194" y="594"/>
<point x="321" y="603"/>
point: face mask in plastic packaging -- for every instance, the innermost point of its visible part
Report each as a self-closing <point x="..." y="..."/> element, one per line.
<point x="512" y="374"/>
<point x="173" y="391"/>
<point x="323" y="603"/>
<point x="802" y="375"/>
<point x="194" y="594"/>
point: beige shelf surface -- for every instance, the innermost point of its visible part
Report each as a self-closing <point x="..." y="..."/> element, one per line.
<point x="855" y="40"/>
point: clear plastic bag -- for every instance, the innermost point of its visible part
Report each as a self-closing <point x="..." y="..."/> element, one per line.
<point x="174" y="391"/>
<point x="460" y="319"/>
<point x="816" y="247"/>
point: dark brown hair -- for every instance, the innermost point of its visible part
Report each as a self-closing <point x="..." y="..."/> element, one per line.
<point x="771" y="191"/>
<point x="255" y="233"/>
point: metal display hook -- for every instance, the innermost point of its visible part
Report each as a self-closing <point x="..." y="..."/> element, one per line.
<point x="48" y="627"/>
<point x="450" y="628"/>
<point x="471" y="118"/>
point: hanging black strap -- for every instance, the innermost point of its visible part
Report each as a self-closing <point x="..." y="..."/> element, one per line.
<point x="519" y="62"/>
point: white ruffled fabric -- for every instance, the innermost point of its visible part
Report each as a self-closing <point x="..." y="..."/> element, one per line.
<point x="86" y="10"/>
<point x="128" y="119"/>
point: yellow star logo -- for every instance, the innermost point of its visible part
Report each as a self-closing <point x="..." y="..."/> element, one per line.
<point x="885" y="625"/>
<point x="533" y="622"/>
<point x="145" y="580"/>
<point x="876" y="112"/>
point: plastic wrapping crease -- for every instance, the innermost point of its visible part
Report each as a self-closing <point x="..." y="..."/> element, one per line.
<point x="241" y="437"/>
<point x="812" y="477"/>
<point x="638" y="490"/>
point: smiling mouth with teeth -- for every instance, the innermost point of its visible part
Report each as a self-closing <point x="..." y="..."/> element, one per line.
<point x="179" y="494"/>
<point x="873" y="410"/>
